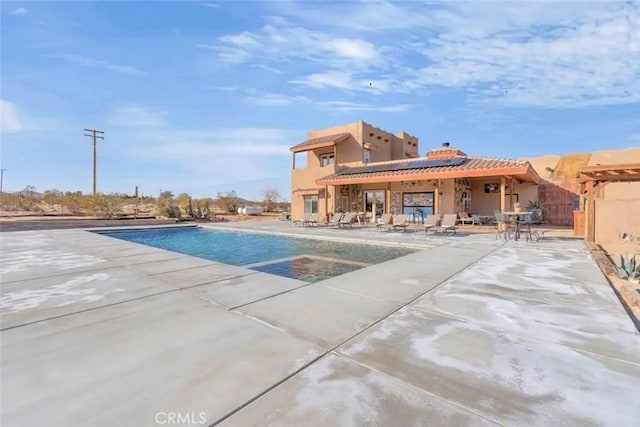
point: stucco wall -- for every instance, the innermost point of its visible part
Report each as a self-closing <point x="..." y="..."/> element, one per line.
<point x="485" y="203"/>
<point x="616" y="216"/>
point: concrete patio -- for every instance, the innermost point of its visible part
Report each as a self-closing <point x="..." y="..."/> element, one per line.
<point x="468" y="330"/>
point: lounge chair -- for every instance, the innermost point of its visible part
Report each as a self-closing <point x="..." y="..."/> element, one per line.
<point x="400" y="221"/>
<point x="448" y="224"/>
<point x="312" y="220"/>
<point x="334" y="221"/>
<point x="346" y="220"/>
<point x="466" y="219"/>
<point x="384" y="221"/>
<point x="430" y="222"/>
<point x="301" y="221"/>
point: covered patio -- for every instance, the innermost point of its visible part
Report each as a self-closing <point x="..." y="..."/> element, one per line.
<point x="447" y="181"/>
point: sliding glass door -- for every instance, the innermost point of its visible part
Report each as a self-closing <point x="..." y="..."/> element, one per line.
<point x="374" y="203"/>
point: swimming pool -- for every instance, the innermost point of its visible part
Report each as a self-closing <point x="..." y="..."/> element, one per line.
<point x="310" y="260"/>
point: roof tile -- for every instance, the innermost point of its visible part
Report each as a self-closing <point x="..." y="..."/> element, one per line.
<point x="322" y="141"/>
<point x="470" y="164"/>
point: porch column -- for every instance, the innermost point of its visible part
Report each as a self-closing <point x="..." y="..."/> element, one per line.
<point x="335" y="154"/>
<point x="326" y="202"/>
<point x="590" y="212"/>
<point x="503" y="195"/>
<point x="511" y="194"/>
<point x="294" y="161"/>
<point x="436" y="197"/>
<point x="582" y="198"/>
<point x="387" y="199"/>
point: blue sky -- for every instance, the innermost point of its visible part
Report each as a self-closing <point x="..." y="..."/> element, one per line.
<point x="207" y="97"/>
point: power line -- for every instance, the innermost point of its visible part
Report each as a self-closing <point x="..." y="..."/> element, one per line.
<point x="94" y="135"/>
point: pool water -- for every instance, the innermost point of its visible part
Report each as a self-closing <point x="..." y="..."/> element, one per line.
<point x="310" y="260"/>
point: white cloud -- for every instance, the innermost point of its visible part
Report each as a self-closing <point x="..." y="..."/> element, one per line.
<point x="220" y="158"/>
<point x="212" y="144"/>
<point x="11" y="118"/>
<point x="209" y="4"/>
<point x="267" y="68"/>
<point x="97" y="63"/>
<point x="529" y="54"/>
<point x="370" y="16"/>
<point x="354" y="106"/>
<point x="136" y="116"/>
<point x="273" y="99"/>
<point x="256" y="97"/>
<point x="281" y="41"/>
<point x="19" y="11"/>
<point x="354" y="49"/>
<point x="334" y="79"/>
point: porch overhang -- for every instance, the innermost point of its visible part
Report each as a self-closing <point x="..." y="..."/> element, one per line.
<point x="320" y="142"/>
<point x="308" y="191"/>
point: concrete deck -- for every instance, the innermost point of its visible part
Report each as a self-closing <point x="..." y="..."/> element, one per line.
<point x="467" y="331"/>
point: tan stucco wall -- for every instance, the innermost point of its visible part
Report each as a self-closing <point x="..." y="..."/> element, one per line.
<point x="485" y="203"/>
<point x="350" y="151"/>
<point x="616" y="216"/>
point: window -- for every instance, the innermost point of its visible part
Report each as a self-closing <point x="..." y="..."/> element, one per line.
<point x="367" y="156"/>
<point x="326" y="160"/>
<point x="311" y="204"/>
<point x="344" y="205"/>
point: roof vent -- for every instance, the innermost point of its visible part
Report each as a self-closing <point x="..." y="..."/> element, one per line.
<point x="445" y="144"/>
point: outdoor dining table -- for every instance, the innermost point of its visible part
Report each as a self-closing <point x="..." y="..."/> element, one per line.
<point x="515" y="218"/>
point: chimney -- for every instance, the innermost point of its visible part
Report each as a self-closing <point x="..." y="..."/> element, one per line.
<point x="445" y="152"/>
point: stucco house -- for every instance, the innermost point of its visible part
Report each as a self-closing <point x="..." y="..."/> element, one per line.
<point x="361" y="168"/>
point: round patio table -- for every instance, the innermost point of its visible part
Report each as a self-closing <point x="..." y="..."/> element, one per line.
<point x="514" y="217"/>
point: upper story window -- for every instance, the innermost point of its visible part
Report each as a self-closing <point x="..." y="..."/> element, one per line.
<point x="327" y="159"/>
<point x="367" y="156"/>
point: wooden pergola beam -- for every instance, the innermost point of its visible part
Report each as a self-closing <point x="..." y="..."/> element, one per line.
<point x="590" y="213"/>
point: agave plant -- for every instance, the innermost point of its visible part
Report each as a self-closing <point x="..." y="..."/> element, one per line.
<point x="628" y="268"/>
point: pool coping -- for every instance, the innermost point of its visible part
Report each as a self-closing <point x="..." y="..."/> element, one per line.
<point x="409" y="245"/>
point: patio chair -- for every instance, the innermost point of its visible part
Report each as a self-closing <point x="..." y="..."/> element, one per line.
<point x="503" y="227"/>
<point x="400" y="221"/>
<point x="346" y="220"/>
<point x="448" y="224"/>
<point x="301" y="221"/>
<point x="465" y="218"/>
<point x="312" y="220"/>
<point x="477" y="219"/>
<point x="430" y="222"/>
<point x="384" y="220"/>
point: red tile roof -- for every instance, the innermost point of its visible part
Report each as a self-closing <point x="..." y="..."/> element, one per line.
<point x="470" y="167"/>
<point x="323" y="141"/>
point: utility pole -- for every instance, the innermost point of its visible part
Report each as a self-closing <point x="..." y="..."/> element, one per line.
<point x="94" y="135"/>
<point x="1" y="181"/>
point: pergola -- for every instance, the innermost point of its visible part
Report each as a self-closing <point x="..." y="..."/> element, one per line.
<point x="592" y="179"/>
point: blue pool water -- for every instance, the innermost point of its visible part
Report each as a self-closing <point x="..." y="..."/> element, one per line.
<point x="307" y="259"/>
